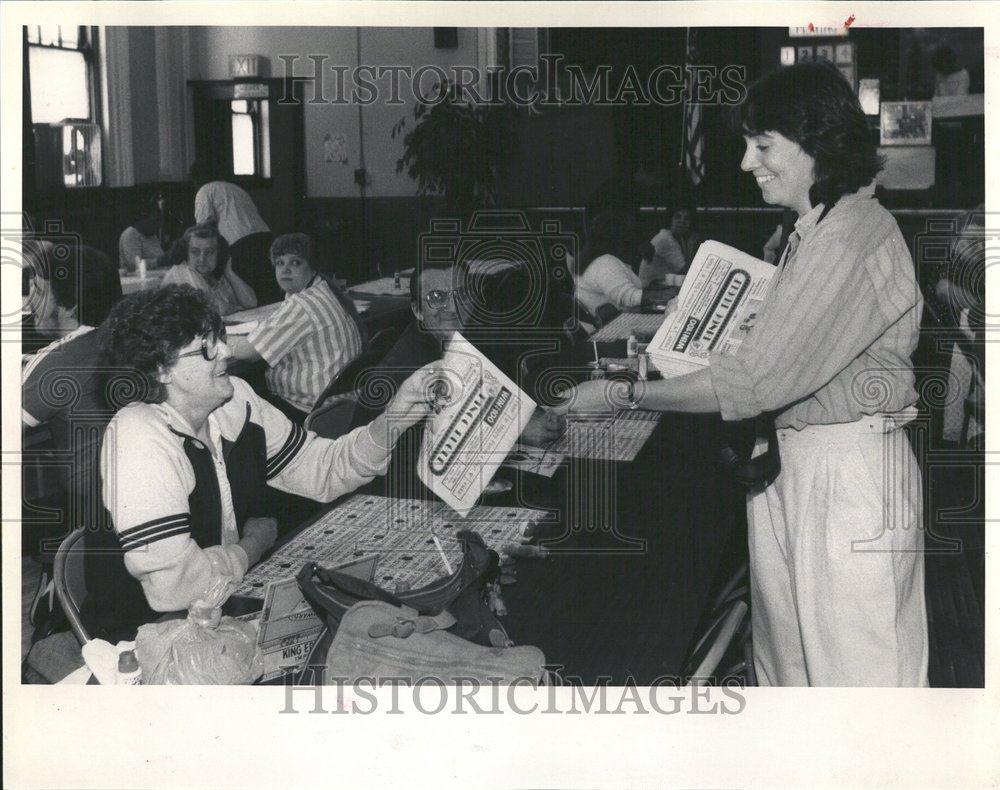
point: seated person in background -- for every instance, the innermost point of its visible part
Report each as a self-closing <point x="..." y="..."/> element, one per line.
<point x="604" y="275"/>
<point x="141" y="239"/>
<point x="441" y="306"/>
<point x="772" y="247"/>
<point x="69" y="294"/>
<point x="207" y="267"/>
<point x="310" y="338"/>
<point x="233" y="210"/>
<point x="950" y="79"/>
<point x="184" y="470"/>
<point x="673" y="249"/>
<point x="962" y="286"/>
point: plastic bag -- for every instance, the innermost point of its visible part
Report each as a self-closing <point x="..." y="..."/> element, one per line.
<point x="205" y="648"/>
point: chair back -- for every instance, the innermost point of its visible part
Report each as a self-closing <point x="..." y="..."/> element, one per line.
<point x="333" y="414"/>
<point x="68" y="577"/>
<point x="700" y="668"/>
<point x="378" y="347"/>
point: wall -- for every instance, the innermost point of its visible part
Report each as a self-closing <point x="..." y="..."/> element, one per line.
<point x="144" y="109"/>
<point x="212" y="46"/>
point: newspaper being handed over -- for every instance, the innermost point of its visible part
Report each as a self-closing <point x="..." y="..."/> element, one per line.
<point x="483" y="414"/>
<point x="716" y="308"/>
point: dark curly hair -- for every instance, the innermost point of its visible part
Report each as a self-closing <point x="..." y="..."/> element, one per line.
<point x="146" y="331"/>
<point x="811" y="104"/>
<point x="208" y="230"/>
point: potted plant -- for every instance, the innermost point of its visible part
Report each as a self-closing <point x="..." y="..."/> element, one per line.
<point x="454" y="148"/>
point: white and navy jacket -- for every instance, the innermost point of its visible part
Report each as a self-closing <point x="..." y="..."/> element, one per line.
<point x="178" y="507"/>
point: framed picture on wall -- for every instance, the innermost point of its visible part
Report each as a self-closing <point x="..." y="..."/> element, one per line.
<point x="803" y="54"/>
<point x="787" y="56"/>
<point x="844" y="54"/>
<point x="824" y="52"/>
<point x="905" y="123"/>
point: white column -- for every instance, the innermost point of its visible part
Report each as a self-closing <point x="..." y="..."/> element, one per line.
<point x="116" y="94"/>
<point x="172" y="102"/>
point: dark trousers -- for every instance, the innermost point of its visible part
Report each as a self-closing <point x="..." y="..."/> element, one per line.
<point x="251" y="261"/>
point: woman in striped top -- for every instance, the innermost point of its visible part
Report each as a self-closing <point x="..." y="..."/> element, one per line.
<point x="310" y="338"/>
<point x="835" y="542"/>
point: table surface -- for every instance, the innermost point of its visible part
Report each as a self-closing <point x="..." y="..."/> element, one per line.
<point x="620" y="327"/>
<point x="635" y="554"/>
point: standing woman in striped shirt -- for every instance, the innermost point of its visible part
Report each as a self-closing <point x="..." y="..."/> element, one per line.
<point x="837" y="577"/>
<point x="310" y="338"/>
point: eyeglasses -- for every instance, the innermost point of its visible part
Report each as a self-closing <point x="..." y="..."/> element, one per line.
<point x="209" y="350"/>
<point x="438" y="299"/>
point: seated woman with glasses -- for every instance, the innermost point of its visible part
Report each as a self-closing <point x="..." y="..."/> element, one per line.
<point x="310" y="338"/>
<point x="184" y="469"/>
<point x="206" y="266"/>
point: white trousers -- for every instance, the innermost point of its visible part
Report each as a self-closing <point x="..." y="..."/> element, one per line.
<point x="836" y="561"/>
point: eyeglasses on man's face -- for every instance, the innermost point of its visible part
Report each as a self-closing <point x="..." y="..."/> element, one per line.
<point x="209" y="350"/>
<point x="438" y="299"/>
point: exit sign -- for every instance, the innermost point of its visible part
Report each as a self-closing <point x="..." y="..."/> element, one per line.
<point x="244" y="65"/>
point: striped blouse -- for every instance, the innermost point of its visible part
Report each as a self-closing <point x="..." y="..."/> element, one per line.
<point x="307" y="341"/>
<point x="834" y="338"/>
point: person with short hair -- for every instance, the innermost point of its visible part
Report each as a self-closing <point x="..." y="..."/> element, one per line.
<point x="443" y="303"/>
<point x="140" y="240"/>
<point x="836" y="563"/>
<point x="207" y="267"/>
<point x="950" y="79"/>
<point x="313" y="335"/>
<point x="673" y="250"/>
<point x="71" y="288"/>
<point x="249" y="237"/>
<point x="184" y="468"/>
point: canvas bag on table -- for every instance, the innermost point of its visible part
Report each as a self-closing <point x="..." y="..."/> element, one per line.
<point x="429" y="632"/>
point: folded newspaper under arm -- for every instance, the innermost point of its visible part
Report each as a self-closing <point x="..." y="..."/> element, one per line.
<point x="716" y="308"/>
<point x="465" y="443"/>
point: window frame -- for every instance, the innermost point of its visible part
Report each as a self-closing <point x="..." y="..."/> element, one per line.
<point x="259" y="129"/>
<point x="88" y="46"/>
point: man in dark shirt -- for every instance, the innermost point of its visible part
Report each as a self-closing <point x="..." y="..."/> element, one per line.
<point x="503" y="313"/>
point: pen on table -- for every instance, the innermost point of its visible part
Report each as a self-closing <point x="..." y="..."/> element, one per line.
<point x="444" y="557"/>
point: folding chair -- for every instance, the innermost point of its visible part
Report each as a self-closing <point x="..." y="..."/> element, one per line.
<point x="715" y="643"/>
<point x="71" y="588"/>
<point x="53" y="658"/>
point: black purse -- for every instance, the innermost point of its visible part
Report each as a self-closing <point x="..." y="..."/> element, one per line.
<point x="465" y="594"/>
<point x="753" y="473"/>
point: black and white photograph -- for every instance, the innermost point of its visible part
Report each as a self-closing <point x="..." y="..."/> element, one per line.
<point x="452" y="368"/>
<point x="906" y="123"/>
